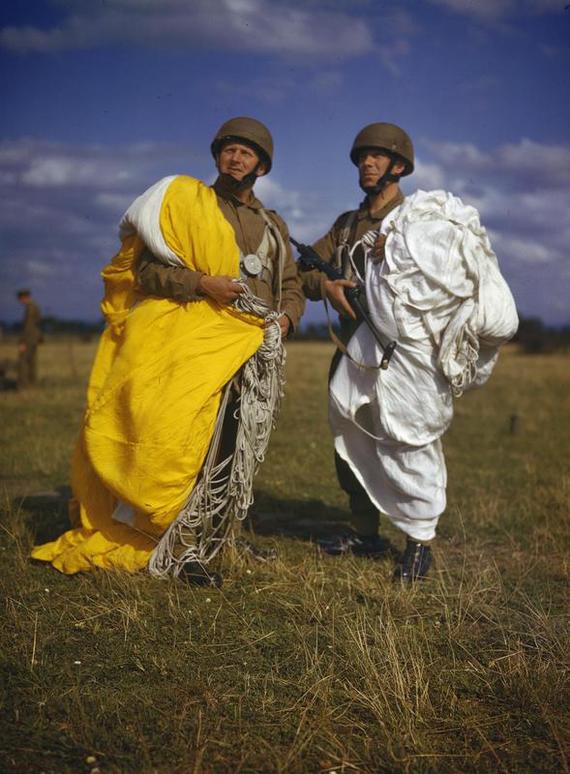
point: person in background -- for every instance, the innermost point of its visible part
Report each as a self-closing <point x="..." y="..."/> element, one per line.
<point x="30" y="337"/>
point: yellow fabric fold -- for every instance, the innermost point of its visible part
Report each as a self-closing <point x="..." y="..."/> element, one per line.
<point x="154" y="391"/>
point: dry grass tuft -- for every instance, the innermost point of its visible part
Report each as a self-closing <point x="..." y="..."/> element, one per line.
<point x="310" y="663"/>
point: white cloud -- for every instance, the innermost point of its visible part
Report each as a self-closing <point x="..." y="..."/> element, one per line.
<point x="522" y="192"/>
<point x="526" y="162"/>
<point x="257" y="26"/>
<point x="428" y="176"/>
<point x="301" y="210"/>
<point x="57" y="172"/>
<point x="60" y="205"/>
<point x="275" y="89"/>
<point x="268" y="90"/>
<point x="40" y="269"/>
<point x="41" y="164"/>
<point x="534" y="160"/>
<point x="391" y="54"/>
<point x="276" y="197"/>
<point x="521" y="250"/>
<point x="327" y="82"/>
<point x="113" y="201"/>
<point x="59" y="209"/>
<point x="494" y="10"/>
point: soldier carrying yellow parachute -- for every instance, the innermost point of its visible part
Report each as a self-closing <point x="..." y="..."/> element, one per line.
<point x="188" y="375"/>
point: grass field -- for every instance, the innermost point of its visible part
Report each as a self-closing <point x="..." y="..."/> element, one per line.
<point x="313" y="663"/>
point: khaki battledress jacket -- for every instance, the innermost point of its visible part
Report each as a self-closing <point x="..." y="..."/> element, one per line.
<point x="181" y="284"/>
<point x="362" y="221"/>
<point x="31" y="334"/>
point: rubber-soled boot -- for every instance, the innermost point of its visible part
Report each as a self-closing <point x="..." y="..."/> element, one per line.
<point x="415" y="562"/>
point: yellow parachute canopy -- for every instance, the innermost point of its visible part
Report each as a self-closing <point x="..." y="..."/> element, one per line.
<point x="154" y="391"/>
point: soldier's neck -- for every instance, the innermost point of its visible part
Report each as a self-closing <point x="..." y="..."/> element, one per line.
<point x="244" y="195"/>
<point x="378" y="201"/>
<point x="225" y="186"/>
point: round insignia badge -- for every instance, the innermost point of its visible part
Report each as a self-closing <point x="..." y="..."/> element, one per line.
<point x="252" y="264"/>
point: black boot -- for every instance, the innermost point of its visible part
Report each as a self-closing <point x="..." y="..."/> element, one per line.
<point x="195" y="574"/>
<point x="369" y="546"/>
<point x="415" y="562"/>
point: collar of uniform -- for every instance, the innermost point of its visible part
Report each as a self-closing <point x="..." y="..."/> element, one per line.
<point x="364" y="212"/>
<point x="223" y="190"/>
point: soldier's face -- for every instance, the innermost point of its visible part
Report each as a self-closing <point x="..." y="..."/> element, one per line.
<point x="372" y="164"/>
<point x="238" y="161"/>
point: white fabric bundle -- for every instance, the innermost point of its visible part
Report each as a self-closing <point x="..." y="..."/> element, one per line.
<point x="440" y="294"/>
<point x="143" y="218"/>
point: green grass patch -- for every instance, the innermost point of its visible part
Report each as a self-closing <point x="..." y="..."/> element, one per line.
<point x="311" y="663"/>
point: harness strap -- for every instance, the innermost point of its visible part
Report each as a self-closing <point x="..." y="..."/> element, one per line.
<point x="341" y="346"/>
<point x="342" y="259"/>
<point x="281" y="252"/>
<point x="343" y="262"/>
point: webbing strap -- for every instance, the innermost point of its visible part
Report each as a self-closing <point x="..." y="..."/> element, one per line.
<point x="340" y="345"/>
<point x="344" y="241"/>
<point x="281" y="252"/>
<point x="342" y="260"/>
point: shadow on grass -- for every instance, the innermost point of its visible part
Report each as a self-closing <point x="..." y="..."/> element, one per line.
<point x="304" y="519"/>
<point x="47" y="513"/>
<point x="309" y="520"/>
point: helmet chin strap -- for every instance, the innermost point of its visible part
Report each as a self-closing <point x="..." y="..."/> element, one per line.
<point x="388" y="177"/>
<point x="247" y="181"/>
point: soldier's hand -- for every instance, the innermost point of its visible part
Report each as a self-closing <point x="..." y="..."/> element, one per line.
<point x="223" y="290"/>
<point x="378" y="249"/>
<point x="284" y="324"/>
<point x="334" y="290"/>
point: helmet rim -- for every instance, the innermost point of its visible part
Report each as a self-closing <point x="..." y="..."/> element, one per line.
<point x="389" y="138"/>
<point x="248" y="131"/>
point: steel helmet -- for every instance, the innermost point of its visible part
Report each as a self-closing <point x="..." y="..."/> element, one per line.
<point x="387" y="137"/>
<point x="249" y="131"/>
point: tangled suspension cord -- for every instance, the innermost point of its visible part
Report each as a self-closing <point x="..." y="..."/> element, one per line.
<point x="224" y="491"/>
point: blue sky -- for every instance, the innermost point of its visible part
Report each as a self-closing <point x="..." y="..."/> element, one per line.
<point x="102" y="97"/>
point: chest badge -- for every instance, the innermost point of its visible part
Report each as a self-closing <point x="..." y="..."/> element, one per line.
<point x="252" y="264"/>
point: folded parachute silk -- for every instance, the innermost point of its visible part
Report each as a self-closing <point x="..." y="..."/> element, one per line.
<point x="156" y="382"/>
<point x="439" y="293"/>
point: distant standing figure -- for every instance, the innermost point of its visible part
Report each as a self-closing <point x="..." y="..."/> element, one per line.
<point x="30" y="337"/>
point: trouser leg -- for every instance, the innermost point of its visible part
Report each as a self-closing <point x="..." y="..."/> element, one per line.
<point x="227" y="444"/>
<point x="227" y="448"/>
<point x="27" y="368"/>
<point x="214" y="529"/>
<point x="363" y="512"/>
<point x="23" y="370"/>
<point x="229" y="428"/>
<point x="33" y="364"/>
